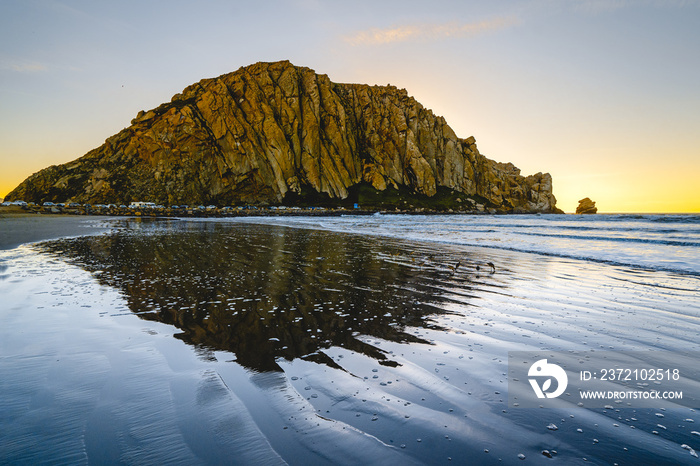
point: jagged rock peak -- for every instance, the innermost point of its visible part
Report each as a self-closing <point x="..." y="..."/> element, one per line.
<point x="271" y="130"/>
<point x="586" y="206"/>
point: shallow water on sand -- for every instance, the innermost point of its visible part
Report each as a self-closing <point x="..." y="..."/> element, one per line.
<point x="205" y="342"/>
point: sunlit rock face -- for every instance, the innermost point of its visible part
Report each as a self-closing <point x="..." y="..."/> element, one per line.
<point x="270" y="130"/>
<point x="586" y="206"/>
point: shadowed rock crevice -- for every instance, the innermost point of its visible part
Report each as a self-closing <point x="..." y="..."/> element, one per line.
<point x="257" y="134"/>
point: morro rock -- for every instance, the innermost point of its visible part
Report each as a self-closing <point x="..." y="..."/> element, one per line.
<point x="271" y="132"/>
<point x="586" y="206"/>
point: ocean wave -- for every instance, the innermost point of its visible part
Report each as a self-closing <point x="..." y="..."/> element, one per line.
<point x="601" y="260"/>
<point x="599" y="238"/>
<point x="665" y="242"/>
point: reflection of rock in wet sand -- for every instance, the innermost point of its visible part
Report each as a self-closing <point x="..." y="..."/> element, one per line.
<point x="267" y="292"/>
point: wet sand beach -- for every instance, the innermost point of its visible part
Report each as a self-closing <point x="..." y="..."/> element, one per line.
<point x="195" y="342"/>
<point x="22" y="228"/>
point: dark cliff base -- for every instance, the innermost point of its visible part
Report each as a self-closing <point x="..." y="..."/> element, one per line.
<point x="319" y="211"/>
<point x="369" y="198"/>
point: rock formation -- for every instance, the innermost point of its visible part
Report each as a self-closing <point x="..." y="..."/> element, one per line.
<point x="273" y="130"/>
<point x="586" y="206"/>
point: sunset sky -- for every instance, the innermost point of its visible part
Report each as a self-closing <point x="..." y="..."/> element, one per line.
<point x="603" y="94"/>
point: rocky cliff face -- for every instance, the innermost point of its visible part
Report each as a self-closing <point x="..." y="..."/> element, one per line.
<point x="586" y="206"/>
<point x="273" y="129"/>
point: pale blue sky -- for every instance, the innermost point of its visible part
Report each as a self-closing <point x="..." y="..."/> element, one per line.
<point x="603" y="94"/>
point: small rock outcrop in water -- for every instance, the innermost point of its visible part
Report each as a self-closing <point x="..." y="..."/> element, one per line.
<point x="586" y="206"/>
<point x="272" y="132"/>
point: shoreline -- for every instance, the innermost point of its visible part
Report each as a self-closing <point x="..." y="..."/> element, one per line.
<point x="69" y="222"/>
<point x="19" y="229"/>
<point x="248" y="211"/>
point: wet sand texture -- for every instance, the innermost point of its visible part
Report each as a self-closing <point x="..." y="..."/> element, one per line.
<point x="16" y="229"/>
<point x="202" y="343"/>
